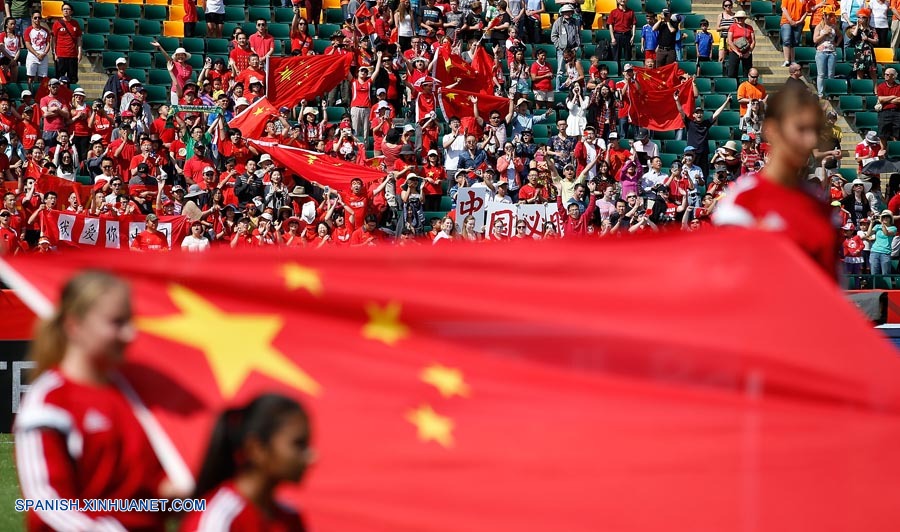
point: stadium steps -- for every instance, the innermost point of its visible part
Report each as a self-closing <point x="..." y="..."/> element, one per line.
<point x="91" y="78"/>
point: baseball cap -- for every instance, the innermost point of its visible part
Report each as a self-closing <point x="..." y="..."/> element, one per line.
<point x="25" y="93"/>
<point x="121" y="61"/>
<point x="143" y="168"/>
<point x="380" y="92"/>
<point x="432" y="152"/>
<point x="628" y="66"/>
<point x="265" y="157"/>
<point x="133" y="83"/>
<point x="209" y="169"/>
<point x="96" y="138"/>
<point x="79" y="90"/>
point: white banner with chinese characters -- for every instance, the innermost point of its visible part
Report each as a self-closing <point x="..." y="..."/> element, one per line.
<point x="66" y="229"/>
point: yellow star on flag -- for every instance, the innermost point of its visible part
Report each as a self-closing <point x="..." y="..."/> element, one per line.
<point x="431" y="425"/>
<point x="240" y="344"/>
<point x="259" y="110"/>
<point x="384" y="323"/>
<point x="296" y="276"/>
<point x="451" y="96"/>
<point x="286" y="73"/>
<point x="448" y="381"/>
<point x="448" y="64"/>
<point x="311" y="159"/>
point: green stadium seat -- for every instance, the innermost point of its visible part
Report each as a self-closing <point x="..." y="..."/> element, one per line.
<point x="635" y="5"/>
<point x="14" y="90"/>
<point x="663" y="135"/>
<point x="667" y="159"/>
<point x="704" y="85"/>
<point x="334" y="16"/>
<point x="334" y="114"/>
<point x="194" y="45"/>
<point x="123" y="27"/>
<point x="260" y="2"/>
<point x="319" y="45"/>
<point x="217" y="46"/>
<point x="688" y="66"/>
<point x="613" y="68"/>
<point x="772" y="24"/>
<point x="720" y="133"/>
<point x="446" y="203"/>
<point x="760" y="8"/>
<point x="157" y="94"/>
<point x="587" y="36"/>
<point x="327" y="30"/>
<point x="234" y="3"/>
<point x="726" y="86"/>
<point x="835" y="87"/>
<point x="249" y="27"/>
<point x="98" y="26"/>
<point x="893" y="149"/>
<point x="279" y="31"/>
<point x="108" y="59"/>
<point x="153" y="12"/>
<point x="713" y="101"/>
<point x="804" y="54"/>
<point x="284" y="15"/>
<point x="159" y="61"/>
<point x="847" y="173"/>
<point x="729" y="119"/>
<point x="688" y="37"/>
<point x="93" y="43"/>
<point x="104" y="10"/>
<point x="867" y="120"/>
<point x="130" y="11"/>
<point x="139" y="60"/>
<point x="641" y="19"/>
<point x="81" y="9"/>
<point x="587" y="51"/>
<point x="689" y="52"/>
<point x="257" y="13"/>
<point x="159" y="76"/>
<point x="692" y="21"/>
<point x="117" y="43"/>
<point x="851" y="103"/>
<point x="711" y="69"/>
<point x="136" y="73"/>
<point x="656" y="6"/>
<point x="862" y="86"/>
<point x="843" y="69"/>
<point x="149" y="27"/>
<point x="142" y="43"/>
<point x="235" y="14"/>
<point x="196" y="61"/>
<point x="674" y="146"/>
<point x="681" y="6"/>
<point x="168" y="43"/>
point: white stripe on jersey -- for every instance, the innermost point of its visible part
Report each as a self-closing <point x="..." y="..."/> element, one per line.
<point x="221" y="511"/>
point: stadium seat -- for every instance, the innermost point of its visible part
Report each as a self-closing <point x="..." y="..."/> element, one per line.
<point x="157" y="94"/>
<point x="804" y="54"/>
<point x="279" y="31"/>
<point x="109" y="59"/>
<point x="760" y="8"/>
<point x="862" y="86"/>
<point x="176" y="12"/>
<point x="194" y="45"/>
<point x="159" y="76"/>
<point x="726" y="86"/>
<point x="139" y="60"/>
<point x="893" y="149"/>
<point x="98" y="26"/>
<point x="217" y="46"/>
<point x="334" y="114"/>
<point x="249" y="27"/>
<point x="884" y="55"/>
<point x="261" y="2"/>
<point x="51" y="9"/>
<point x="334" y="16"/>
<point x="257" y="13"/>
<point x="93" y="43"/>
<point x="692" y="21"/>
<point x="168" y="43"/>
<point x="235" y="14"/>
<point x="123" y="27"/>
<point x="613" y="68"/>
<point x="587" y="37"/>
<point x="156" y="13"/>
<point x="142" y="43"/>
<point x="173" y="28"/>
<point x="772" y="24"/>
<point x="720" y="133"/>
<point x="117" y="43"/>
<point x="102" y="10"/>
<point x="681" y="7"/>
<point x="446" y="203"/>
<point x="867" y="120"/>
<point x="150" y="27"/>
<point x="81" y="9"/>
<point x="847" y="173"/>
<point x="729" y="119"/>
<point x="130" y="11"/>
<point x="843" y="69"/>
<point x="712" y="102"/>
<point x="234" y="3"/>
<point x="131" y="1"/>
<point x="156" y="2"/>
<point x="283" y="15"/>
<point x="319" y="45"/>
<point x="835" y="87"/>
<point x="851" y="103"/>
<point x="711" y="69"/>
<point x="674" y="146"/>
<point x="196" y="61"/>
<point x="137" y="73"/>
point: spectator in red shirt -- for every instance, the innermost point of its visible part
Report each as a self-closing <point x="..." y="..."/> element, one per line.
<point x="151" y="239"/>
<point x="9" y="238"/>
<point x="622" y="21"/>
<point x="889" y="97"/>
<point x="66" y="44"/>
<point x="301" y="42"/>
<point x="56" y="113"/>
<point x="194" y="167"/>
<point x="368" y="234"/>
<point x="262" y="42"/>
<point x="190" y="17"/>
<point x="239" y="58"/>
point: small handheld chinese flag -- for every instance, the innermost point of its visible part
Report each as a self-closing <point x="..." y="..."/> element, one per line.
<point x="252" y="120"/>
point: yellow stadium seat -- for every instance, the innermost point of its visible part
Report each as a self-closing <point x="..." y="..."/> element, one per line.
<point x="716" y="37"/>
<point x="545" y="20"/>
<point x="51" y="9"/>
<point x="605" y="6"/>
<point x="332" y="4"/>
<point x="110" y="1"/>
<point x="132" y="2"/>
<point x="884" y="55"/>
<point x="158" y="2"/>
<point x="173" y="28"/>
<point x="176" y="12"/>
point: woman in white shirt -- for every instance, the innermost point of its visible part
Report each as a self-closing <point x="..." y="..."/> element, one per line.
<point x="881" y="21"/>
<point x="196" y="241"/>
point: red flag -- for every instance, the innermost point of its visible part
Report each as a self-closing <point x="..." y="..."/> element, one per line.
<point x="452" y="70"/>
<point x="652" y="98"/>
<point x="69" y="229"/>
<point x="292" y="79"/>
<point x="364" y="20"/>
<point x="252" y="120"/>
<point x="323" y="169"/>
<point x="456" y="103"/>
<point x="62" y="187"/>
<point x="483" y="64"/>
<point x="532" y="413"/>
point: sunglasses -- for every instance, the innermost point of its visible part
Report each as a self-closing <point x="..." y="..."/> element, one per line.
<point x="106" y="167"/>
<point x="520" y="227"/>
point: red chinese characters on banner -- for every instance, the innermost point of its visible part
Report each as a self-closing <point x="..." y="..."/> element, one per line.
<point x="471" y="202"/>
<point x="75" y="230"/>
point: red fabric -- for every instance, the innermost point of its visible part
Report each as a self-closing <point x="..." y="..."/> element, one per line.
<point x="729" y="417"/>
<point x="456" y="103"/>
<point x="18" y="320"/>
<point x="292" y="79"/>
<point x="107" y="232"/>
<point x="113" y="459"/>
<point x="652" y="104"/>
<point x="66" y="34"/>
<point x="252" y="121"/>
<point x="326" y="170"/>
<point x="364" y="20"/>
<point x="451" y="69"/>
<point x="230" y="510"/>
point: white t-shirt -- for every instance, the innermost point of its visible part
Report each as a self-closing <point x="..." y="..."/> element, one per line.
<point x="194" y="244"/>
<point x="453" y="153"/>
<point x="215" y="6"/>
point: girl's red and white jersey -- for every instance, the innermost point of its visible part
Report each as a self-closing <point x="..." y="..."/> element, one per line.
<point x="756" y="202"/>
<point x="228" y="511"/>
<point x="76" y="441"/>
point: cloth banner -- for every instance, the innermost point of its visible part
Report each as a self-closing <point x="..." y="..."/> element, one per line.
<point x="323" y="169"/>
<point x="68" y="230"/>
<point x="524" y="395"/>
<point x="471" y="201"/>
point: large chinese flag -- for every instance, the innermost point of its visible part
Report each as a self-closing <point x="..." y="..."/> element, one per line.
<point x="323" y="169"/>
<point x="630" y="395"/>
<point x="252" y="120"/>
<point x="62" y="187"/>
<point x="292" y="79"/>
<point x="452" y="70"/>
<point x="652" y="98"/>
<point x="456" y="103"/>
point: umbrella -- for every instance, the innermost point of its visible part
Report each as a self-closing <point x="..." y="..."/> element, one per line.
<point x="881" y="166"/>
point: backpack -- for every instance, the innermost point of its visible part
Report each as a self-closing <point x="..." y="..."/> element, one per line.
<point x="603" y="51"/>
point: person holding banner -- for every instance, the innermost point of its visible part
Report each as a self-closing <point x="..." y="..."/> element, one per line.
<point x="77" y="434"/>
<point x="150" y="239"/>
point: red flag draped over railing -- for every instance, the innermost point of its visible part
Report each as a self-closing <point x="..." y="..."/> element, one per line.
<point x="292" y="79"/>
<point x="712" y="405"/>
<point x="323" y="169"/>
<point x="652" y="97"/>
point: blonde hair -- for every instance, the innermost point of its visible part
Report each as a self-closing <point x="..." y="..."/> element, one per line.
<point x="78" y="296"/>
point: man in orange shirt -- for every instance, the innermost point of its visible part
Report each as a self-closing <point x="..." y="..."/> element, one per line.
<point x="751" y="89"/>
<point x="793" y="14"/>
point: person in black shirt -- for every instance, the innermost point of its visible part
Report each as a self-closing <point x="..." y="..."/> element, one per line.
<point x="697" y="128"/>
<point x="666" y="28"/>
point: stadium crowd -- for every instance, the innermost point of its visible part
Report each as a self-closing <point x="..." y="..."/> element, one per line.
<point x="567" y="138"/>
